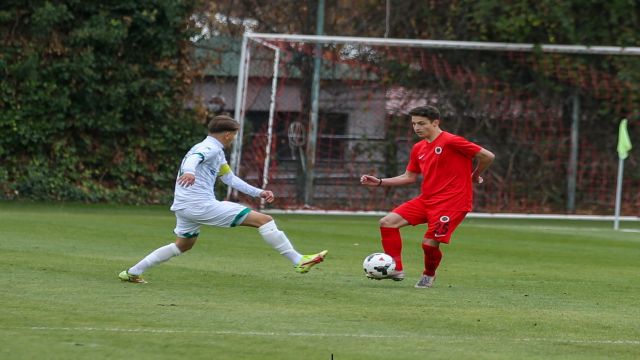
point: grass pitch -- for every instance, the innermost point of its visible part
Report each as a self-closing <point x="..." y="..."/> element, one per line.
<point x="518" y="289"/>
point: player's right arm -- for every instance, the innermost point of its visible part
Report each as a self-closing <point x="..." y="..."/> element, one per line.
<point x="405" y="179"/>
<point x="186" y="179"/>
<point x="187" y="174"/>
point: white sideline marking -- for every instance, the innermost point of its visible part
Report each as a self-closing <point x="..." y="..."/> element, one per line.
<point x="309" y="334"/>
<point x="551" y="228"/>
<point x="469" y="215"/>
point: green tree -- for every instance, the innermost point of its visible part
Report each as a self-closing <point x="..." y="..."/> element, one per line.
<point x="92" y="99"/>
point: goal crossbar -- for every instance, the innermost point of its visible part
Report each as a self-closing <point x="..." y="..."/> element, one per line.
<point x="446" y="44"/>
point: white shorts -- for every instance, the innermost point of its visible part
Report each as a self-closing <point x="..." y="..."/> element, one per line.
<point x="220" y="213"/>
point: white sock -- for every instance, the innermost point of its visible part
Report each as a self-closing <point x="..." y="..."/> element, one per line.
<point x="156" y="257"/>
<point x="279" y="241"/>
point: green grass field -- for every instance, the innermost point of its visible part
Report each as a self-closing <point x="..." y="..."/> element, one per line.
<point x="517" y="289"/>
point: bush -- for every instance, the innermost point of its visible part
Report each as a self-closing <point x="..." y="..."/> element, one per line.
<point x="92" y="100"/>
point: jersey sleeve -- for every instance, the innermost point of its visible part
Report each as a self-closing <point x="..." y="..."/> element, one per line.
<point x="229" y="178"/>
<point x="190" y="162"/>
<point x="413" y="165"/>
<point x="195" y="157"/>
<point x="464" y="146"/>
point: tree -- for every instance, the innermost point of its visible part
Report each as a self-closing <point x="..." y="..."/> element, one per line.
<point x="92" y="99"/>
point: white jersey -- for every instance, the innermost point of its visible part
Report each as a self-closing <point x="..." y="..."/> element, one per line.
<point x="206" y="161"/>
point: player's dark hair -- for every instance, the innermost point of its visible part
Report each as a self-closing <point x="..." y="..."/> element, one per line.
<point x="222" y="123"/>
<point x="427" y="111"/>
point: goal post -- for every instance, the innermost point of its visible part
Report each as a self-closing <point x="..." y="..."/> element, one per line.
<point x="534" y="105"/>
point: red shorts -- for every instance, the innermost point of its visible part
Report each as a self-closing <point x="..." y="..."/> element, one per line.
<point x="441" y="223"/>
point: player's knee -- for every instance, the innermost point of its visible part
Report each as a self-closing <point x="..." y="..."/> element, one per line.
<point x="387" y="222"/>
<point x="258" y="219"/>
<point x="264" y="218"/>
<point x="430" y="242"/>
<point x="184" y="248"/>
<point x="185" y="245"/>
<point x="268" y="218"/>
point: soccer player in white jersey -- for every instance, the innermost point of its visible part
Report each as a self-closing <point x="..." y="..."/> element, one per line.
<point x="195" y="204"/>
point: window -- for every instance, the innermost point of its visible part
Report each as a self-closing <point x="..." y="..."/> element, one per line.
<point x="331" y="141"/>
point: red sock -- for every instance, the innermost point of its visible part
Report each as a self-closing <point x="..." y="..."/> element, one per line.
<point x="432" y="257"/>
<point x="392" y="244"/>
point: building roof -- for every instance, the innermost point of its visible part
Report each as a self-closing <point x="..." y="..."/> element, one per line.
<point x="220" y="56"/>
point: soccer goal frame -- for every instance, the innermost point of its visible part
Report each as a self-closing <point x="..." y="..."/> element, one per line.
<point x="265" y="39"/>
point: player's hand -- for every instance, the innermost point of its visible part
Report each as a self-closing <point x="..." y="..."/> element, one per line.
<point x="369" y="180"/>
<point x="186" y="180"/>
<point x="477" y="179"/>
<point x="267" y="196"/>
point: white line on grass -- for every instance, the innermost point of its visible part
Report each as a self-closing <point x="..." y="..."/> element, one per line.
<point x="541" y="227"/>
<point x="341" y="335"/>
<point x="555" y="229"/>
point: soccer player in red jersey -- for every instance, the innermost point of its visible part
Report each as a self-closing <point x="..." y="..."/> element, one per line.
<point x="446" y="163"/>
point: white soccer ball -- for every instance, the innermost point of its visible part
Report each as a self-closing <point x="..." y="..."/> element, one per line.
<point x="378" y="265"/>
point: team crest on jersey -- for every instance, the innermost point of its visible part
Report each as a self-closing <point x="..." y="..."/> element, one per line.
<point x="438" y="150"/>
<point x="444" y="219"/>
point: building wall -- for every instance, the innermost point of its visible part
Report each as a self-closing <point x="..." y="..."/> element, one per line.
<point x="364" y="106"/>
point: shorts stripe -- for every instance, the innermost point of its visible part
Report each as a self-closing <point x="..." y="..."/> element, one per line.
<point x="240" y="217"/>
<point x="189" y="235"/>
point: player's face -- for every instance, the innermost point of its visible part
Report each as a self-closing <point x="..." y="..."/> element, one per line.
<point x="424" y="127"/>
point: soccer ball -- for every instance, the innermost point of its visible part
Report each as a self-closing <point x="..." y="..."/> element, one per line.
<point x="378" y="265"/>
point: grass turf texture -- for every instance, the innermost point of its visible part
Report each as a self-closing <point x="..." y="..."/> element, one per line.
<point x="507" y="289"/>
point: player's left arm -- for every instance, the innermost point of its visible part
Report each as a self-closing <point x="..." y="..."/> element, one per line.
<point x="483" y="159"/>
<point x="229" y="178"/>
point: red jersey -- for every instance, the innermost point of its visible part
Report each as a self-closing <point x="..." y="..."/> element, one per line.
<point x="446" y="166"/>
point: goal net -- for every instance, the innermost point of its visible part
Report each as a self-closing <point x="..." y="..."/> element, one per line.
<point x="549" y="113"/>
